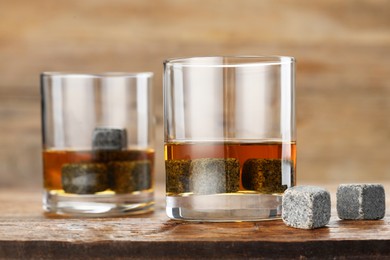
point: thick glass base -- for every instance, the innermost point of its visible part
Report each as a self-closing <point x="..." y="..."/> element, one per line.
<point x="97" y="205"/>
<point x="226" y="207"/>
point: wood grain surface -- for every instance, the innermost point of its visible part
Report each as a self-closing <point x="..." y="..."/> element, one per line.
<point x="26" y="233"/>
<point x="343" y="67"/>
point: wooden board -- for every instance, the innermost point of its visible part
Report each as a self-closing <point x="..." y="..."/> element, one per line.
<point x="26" y="233"/>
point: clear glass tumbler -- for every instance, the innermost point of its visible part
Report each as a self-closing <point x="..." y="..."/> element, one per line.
<point x="98" y="134"/>
<point x="230" y="144"/>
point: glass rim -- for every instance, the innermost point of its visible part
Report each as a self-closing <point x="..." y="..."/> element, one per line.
<point x="236" y="61"/>
<point x="97" y="75"/>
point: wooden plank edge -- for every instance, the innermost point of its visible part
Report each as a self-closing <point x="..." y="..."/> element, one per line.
<point x="360" y="249"/>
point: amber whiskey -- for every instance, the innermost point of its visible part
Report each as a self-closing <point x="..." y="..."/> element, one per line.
<point x="256" y="167"/>
<point x="116" y="165"/>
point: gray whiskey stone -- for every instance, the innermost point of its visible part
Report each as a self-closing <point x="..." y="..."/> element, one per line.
<point x="306" y="207"/>
<point x="361" y="201"/>
<point x="84" y="178"/>
<point x="214" y="175"/>
<point x="177" y="175"/>
<point x="264" y="175"/>
<point x="109" y="139"/>
<point x="131" y="176"/>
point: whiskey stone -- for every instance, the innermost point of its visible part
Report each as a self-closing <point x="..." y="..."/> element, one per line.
<point x="177" y="174"/>
<point x="214" y="175"/>
<point x="131" y="176"/>
<point x="306" y="207"/>
<point x="264" y="175"/>
<point x="109" y="139"/>
<point x="84" y="178"/>
<point x="361" y="201"/>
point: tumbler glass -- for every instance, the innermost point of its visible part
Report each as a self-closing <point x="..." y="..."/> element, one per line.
<point x="98" y="134"/>
<point x="230" y="143"/>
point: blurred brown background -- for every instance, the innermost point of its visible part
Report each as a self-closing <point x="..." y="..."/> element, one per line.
<point x="343" y="68"/>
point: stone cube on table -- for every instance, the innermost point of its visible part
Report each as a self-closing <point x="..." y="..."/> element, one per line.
<point x="306" y="207"/>
<point x="361" y="201"/>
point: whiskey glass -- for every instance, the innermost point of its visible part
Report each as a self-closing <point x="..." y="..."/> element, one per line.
<point x="98" y="143"/>
<point x="230" y="142"/>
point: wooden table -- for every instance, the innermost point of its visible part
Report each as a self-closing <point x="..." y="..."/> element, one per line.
<point x="26" y="233"/>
